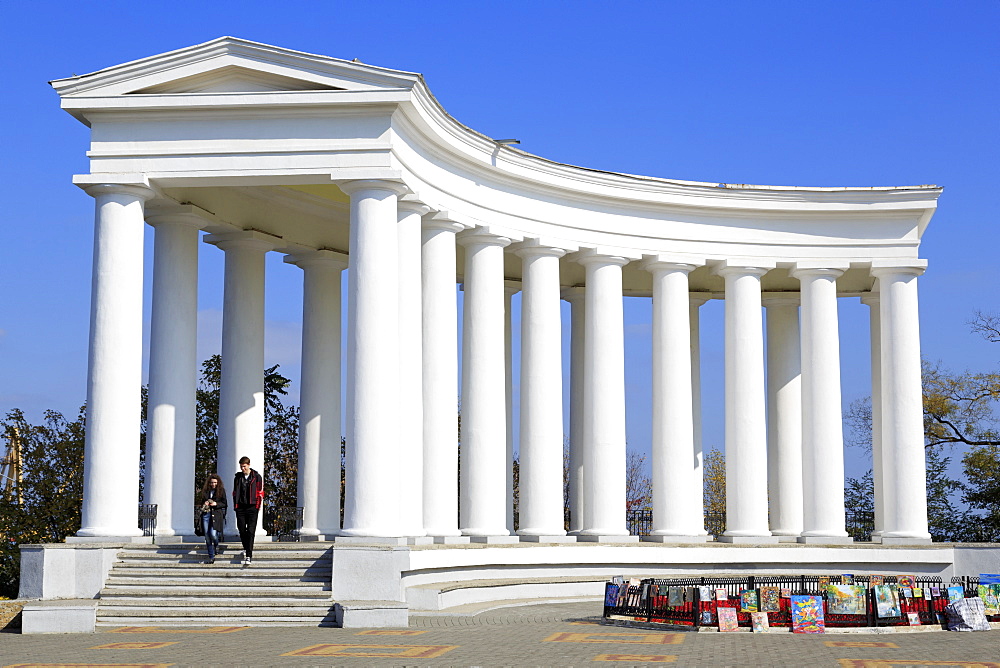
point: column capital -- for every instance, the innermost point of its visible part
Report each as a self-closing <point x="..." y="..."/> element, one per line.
<point x="248" y="239"/>
<point x="591" y="256"/>
<point x="882" y="268"/>
<point x="482" y="236"/>
<point x="574" y="294"/>
<point x="139" y="192"/>
<point x="323" y="257"/>
<point x="871" y="298"/>
<point x="537" y="248"/>
<point x="409" y="205"/>
<point x="396" y="187"/>
<point x="662" y="266"/>
<point x="187" y="215"/>
<point x="442" y="220"/>
<point x="780" y="299"/>
<point x="818" y="269"/>
<point x="743" y="267"/>
<point x="698" y="298"/>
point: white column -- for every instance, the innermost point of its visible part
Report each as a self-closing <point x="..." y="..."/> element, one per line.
<point x="319" y="412"/>
<point x="509" y="289"/>
<point x="173" y="371"/>
<point x="371" y="491"/>
<point x="904" y="468"/>
<point x="875" y="338"/>
<point x="411" y="400"/>
<point x="746" y="428"/>
<point x="114" y="375"/>
<point x="241" y="394"/>
<point x="822" y="414"/>
<point x="576" y="297"/>
<point x="604" y="399"/>
<point x="484" y="421"/>
<point x="698" y="498"/>
<point x="673" y="464"/>
<point x="440" y="378"/>
<point x="540" y="480"/>
<point x="784" y="414"/>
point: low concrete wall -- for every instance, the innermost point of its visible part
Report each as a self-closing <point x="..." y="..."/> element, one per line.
<point x="66" y="571"/>
<point x="10" y="614"/>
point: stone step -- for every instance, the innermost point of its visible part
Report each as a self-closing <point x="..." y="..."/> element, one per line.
<point x="224" y="561"/>
<point x="233" y="579"/>
<point x="283" y="555"/>
<point x="325" y="622"/>
<point x="141" y="602"/>
<point x="241" y="592"/>
<point x="218" y="570"/>
<point x="216" y="611"/>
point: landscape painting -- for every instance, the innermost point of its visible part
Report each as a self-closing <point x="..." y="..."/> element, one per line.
<point x="845" y="599"/>
<point x="886" y="601"/>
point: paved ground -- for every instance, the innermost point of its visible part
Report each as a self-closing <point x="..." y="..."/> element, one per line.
<point x="539" y="635"/>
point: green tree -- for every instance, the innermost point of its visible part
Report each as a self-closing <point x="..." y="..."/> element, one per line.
<point x="51" y="490"/>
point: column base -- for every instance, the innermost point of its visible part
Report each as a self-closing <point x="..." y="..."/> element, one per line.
<point x="420" y="540"/>
<point x="451" y="540"/>
<point x="901" y="540"/>
<point x="495" y="540"/>
<point x="317" y="538"/>
<point x="657" y="538"/>
<point x="370" y="540"/>
<point x="749" y="540"/>
<point x="610" y="540"/>
<point x="825" y="540"/>
<point x="554" y="538"/>
<point x="788" y="539"/>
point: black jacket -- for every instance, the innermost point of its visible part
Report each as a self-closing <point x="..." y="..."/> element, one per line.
<point x="218" y="511"/>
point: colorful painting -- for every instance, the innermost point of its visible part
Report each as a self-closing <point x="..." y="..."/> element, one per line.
<point x="786" y="592"/>
<point x="936" y="592"/>
<point x="721" y="595"/>
<point x="610" y="595"/>
<point x="956" y="593"/>
<point x="704" y="593"/>
<point x="907" y="581"/>
<point x="807" y="614"/>
<point x="887" y="601"/>
<point x="770" y="599"/>
<point x="906" y="592"/>
<point x="824" y="580"/>
<point x="847" y="579"/>
<point x="845" y="599"/>
<point x="758" y="622"/>
<point x="918" y="592"/>
<point x="675" y="597"/>
<point x="876" y="580"/>
<point x="748" y="600"/>
<point x="992" y="607"/>
<point x="727" y="619"/>
<point x="913" y="618"/>
<point x="662" y="590"/>
<point x="706" y="617"/>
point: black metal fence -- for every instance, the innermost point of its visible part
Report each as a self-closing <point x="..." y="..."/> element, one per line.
<point x="147" y="518"/>
<point x="649" y="601"/>
<point x="283" y="522"/>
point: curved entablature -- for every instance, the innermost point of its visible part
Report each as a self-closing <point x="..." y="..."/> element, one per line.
<point x="240" y="128"/>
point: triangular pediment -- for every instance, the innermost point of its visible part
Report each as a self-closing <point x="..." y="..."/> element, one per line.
<point x="232" y="65"/>
<point x="232" y="79"/>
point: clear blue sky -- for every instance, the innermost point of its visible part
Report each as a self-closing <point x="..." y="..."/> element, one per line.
<point x="791" y="93"/>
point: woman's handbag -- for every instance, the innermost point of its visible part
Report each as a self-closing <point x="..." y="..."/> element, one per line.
<point x="199" y="529"/>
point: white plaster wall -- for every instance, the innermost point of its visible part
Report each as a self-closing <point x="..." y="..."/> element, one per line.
<point x="53" y="571"/>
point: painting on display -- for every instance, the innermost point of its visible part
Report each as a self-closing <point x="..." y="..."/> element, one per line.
<point x="770" y="599"/>
<point x="936" y="592"/>
<point x="721" y="595"/>
<point x="824" y="580"/>
<point x="610" y="595"/>
<point x="845" y="599"/>
<point x="727" y="619"/>
<point x="918" y="592"/>
<point x="704" y="593"/>
<point x="887" y="601"/>
<point x="847" y="579"/>
<point x="907" y="581"/>
<point x="913" y="618"/>
<point x="748" y="600"/>
<point x="706" y="617"/>
<point x="675" y="597"/>
<point x="758" y="622"/>
<point x="786" y="592"/>
<point x="807" y="614"/>
<point x="990" y="604"/>
<point x="876" y="580"/>
<point x="956" y="593"/>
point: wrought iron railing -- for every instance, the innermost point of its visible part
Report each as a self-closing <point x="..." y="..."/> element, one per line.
<point x="859" y="524"/>
<point x="147" y="518"/>
<point x="283" y="522"/>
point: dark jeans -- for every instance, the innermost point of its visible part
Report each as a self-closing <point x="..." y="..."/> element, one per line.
<point x="246" y="522"/>
<point x="211" y="535"/>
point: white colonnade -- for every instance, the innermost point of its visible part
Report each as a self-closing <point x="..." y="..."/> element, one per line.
<point x="782" y="402"/>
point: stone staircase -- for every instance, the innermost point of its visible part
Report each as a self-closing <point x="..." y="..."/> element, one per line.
<point x="288" y="584"/>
